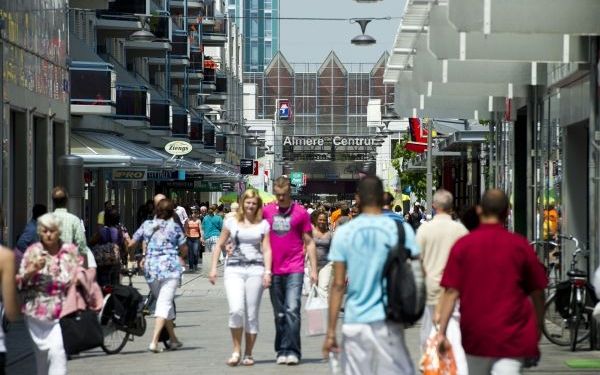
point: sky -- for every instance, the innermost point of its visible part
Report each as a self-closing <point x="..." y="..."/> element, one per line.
<point x="311" y="41"/>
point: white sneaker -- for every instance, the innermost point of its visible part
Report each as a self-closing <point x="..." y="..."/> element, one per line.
<point x="281" y="360"/>
<point x="292" y="360"/>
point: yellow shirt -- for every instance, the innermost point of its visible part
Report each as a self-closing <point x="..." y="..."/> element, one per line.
<point x="335" y="215"/>
<point x="550" y="223"/>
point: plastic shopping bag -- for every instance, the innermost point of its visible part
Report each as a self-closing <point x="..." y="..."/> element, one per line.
<point x="435" y="363"/>
<point x="316" y="313"/>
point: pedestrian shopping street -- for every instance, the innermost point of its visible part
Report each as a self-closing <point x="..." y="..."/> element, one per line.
<point x="202" y="327"/>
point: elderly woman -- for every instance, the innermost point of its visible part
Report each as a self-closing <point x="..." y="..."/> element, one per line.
<point x="165" y="246"/>
<point x="47" y="270"/>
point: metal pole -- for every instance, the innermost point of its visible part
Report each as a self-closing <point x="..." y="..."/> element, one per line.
<point x="429" y="194"/>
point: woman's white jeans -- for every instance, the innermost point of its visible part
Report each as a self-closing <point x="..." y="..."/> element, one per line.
<point x="50" y="355"/>
<point x="164" y="291"/>
<point x="243" y="286"/>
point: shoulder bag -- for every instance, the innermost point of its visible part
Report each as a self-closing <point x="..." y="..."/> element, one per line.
<point x="81" y="330"/>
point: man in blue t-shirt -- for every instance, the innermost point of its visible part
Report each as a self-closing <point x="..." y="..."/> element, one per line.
<point x="388" y="199"/>
<point x="359" y="250"/>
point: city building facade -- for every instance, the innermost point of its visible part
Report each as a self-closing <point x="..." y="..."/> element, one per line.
<point x="259" y="20"/>
<point x="145" y="73"/>
<point x="34" y="106"/>
<point x="322" y="120"/>
<point x="533" y="85"/>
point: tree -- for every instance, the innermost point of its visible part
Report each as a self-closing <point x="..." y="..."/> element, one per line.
<point x="417" y="179"/>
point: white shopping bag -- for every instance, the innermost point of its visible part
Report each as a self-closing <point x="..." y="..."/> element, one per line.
<point x="316" y="313"/>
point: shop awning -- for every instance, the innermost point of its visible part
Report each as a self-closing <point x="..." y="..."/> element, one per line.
<point x="108" y="150"/>
<point x="104" y="150"/>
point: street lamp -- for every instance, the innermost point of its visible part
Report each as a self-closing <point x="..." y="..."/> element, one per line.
<point x="143" y="35"/>
<point x="363" y="39"/>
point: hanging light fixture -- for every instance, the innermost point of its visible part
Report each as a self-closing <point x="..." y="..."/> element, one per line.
<point x="143" y="35"/>
<point x="363" y="39"/>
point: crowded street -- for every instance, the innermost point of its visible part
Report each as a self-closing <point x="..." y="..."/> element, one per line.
<point x="203" y="322"/>
<point x="343" y="187"/>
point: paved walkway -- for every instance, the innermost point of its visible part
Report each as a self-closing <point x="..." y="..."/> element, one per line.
<point x="202" y="326"/>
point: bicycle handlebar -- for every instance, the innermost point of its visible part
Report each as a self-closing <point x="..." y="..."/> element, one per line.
<point x="571" y="238"/>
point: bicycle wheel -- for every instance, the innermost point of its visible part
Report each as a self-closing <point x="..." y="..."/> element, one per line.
<point x="574" y="328"/>
<point x="114" y="338"/>
<point x="555" y="328"/>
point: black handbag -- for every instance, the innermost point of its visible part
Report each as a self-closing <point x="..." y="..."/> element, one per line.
<point x="81" y="331"/>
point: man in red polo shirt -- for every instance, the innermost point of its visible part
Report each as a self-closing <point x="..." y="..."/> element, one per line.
<point x="500" y="282"/>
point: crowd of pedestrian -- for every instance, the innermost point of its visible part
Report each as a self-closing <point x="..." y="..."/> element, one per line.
<point x="484" y="285"/>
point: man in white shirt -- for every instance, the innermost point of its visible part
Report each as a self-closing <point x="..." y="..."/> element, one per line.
<point x="435" y="238"/>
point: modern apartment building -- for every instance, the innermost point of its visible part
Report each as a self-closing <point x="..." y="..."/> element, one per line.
<point x="259" y="20"/>
<point x="145" y="73"/>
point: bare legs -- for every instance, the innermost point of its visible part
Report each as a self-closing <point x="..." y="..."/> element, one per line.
<point x="158" y="326"/>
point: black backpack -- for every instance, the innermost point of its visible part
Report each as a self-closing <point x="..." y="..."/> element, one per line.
<point x="404" y="285"/>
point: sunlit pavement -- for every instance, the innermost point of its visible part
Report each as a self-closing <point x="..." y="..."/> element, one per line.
<point x="202" y="326"/>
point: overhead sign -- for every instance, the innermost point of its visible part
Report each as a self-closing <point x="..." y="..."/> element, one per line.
<point x="129" y="174"/>
<point x="163" y="175"/>
<point x="208" y="186"/>
<point x="246" y="166"/>
<point x="296" y="178"/>
<point x="284" y="109"/>
<point x="178" y="148"/>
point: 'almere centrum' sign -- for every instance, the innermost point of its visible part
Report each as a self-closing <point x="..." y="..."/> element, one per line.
<point x="324" y="140"/>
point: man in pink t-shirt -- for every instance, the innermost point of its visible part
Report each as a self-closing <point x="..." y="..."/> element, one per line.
<point x="291" y="232"/>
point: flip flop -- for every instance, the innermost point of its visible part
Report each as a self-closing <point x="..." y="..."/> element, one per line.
<point x="248" y="360"/>
<point x="234" y="360"/>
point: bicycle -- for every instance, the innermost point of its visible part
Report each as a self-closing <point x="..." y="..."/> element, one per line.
<point x="117" y="335"/>
<point x="550" y="255"/>
<point x="567" y="316"/>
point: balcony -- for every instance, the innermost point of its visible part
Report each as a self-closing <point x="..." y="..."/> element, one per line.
<point x="156" y="48"/>
<point x="133" y="103"/>
<point x="121" y="18"/>
<point x="89" y="4"/>
<point x="214" y="32"/>
<point x="180" y="126"/>
<point x="195" y="133"/>
<point x="208" y="136"/>
<point x="220" y="93"/>
<point x="194" y="37"/>
<point x="180" y="50"/>
<point x="195" y="69"/>
<point x="220" y="143"/>
<point x="194" y="8"/>
<point x="210" y="77"/>
<point x="161" y="115"/>
<point x="92" y="88"/>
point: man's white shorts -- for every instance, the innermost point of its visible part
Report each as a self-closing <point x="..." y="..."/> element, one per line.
<point x="375" y="348"/>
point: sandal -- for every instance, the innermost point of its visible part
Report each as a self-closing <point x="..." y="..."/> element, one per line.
<point x="234" y="360"/>
<point x="154" y="348"/>
<point x="248" y="360"/>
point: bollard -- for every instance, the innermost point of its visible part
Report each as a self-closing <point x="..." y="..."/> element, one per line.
<point x="70" y="175"/>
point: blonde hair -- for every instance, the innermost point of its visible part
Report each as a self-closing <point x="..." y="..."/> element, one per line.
<point x="49" y="221"/>
<point x="250" y="193"/>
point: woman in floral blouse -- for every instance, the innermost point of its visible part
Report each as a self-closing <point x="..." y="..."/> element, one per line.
<point x="162" y="266"/>
<point x="47" y="269"/>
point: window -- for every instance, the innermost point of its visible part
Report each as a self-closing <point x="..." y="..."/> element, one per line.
<point x="268" y="4"/>
<point x="232" y="2"/>
<point x="254" y="27"/>
<point x="254" y="53"/>
<point x="268" y="52"/>
<point x="268" y="26"/>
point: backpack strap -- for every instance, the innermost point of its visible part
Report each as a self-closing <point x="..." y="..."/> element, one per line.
<point x="401" y="239"/>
